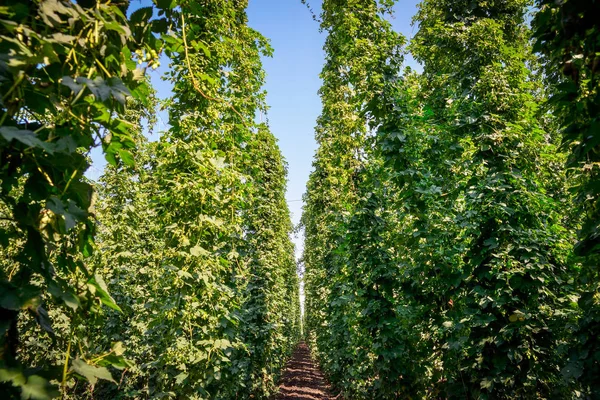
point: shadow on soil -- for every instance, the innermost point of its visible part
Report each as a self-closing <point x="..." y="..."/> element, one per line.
<point x="302" y="379"/>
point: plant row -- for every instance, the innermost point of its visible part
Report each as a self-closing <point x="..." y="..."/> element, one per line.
<point x="451" y="219"/>
<point x="174" y="275"/>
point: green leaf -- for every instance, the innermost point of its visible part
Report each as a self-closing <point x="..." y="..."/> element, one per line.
<point x="90" y="372"/>
<point x="38" y="388"/>
<point x="181" y="377"/>
<point x="118" y="90"/>
<point x="118" y="348"/>
<point x="222" y="344"/>
<point x="166" y="4"/>
<point x="66" y="294"/>
<point x="16" y="298"/>
<point x="199" y="45"/>
<point x="98" y="288"/>
<point x="100" y="88"/>
<point x="71" y="84"/>
<point x="486" y="384"/>
<point x="55" y="13"/>
<point x="492" y="243"/>
<point x="32" y="387"/>
<point x="43" y="320"/>
<point x="26" y="137"/>
<point x="72" y="213"/>
<point x="126" y="157"/>
<point x="198" y="251"/>
<point x="141" y="16"/>
<point x="573" y="370"/>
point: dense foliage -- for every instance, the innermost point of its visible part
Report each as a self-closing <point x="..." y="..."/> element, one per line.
<point x="568" y="37"/>
<point x="190" y="235"/>
<point x="66" y="71"/>
<point x="451" y="219"/>
<point x="361" y="49"/>
<point x="445" y="259"/>
<point x="509" y="288"/>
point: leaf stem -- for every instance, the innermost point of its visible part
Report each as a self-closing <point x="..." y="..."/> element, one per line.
<point x="66" y="367"/>
<point x="14" y="85"/>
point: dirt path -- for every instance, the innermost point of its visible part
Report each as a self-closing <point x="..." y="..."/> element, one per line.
<point x="302" y="379"/>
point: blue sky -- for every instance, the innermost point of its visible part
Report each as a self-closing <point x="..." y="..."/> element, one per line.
<point x="292" y="83"/>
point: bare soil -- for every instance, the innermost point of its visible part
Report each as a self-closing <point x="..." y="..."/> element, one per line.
<point x="302" y="379"/>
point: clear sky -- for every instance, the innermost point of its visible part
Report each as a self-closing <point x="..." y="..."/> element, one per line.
<point x="292" y="83"/>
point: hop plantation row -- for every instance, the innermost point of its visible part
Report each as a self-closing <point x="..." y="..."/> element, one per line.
<point x="174" y="275"/>
<point x="452" y="217"/>
<point x="452" y="225"/>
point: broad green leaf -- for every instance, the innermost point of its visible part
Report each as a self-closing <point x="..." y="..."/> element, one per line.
<point x="90" y="372"/>
<point x="26" y="137"/>
<point x="97" y="287"/>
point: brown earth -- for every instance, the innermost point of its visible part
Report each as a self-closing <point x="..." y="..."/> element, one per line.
<point x="302" y="379"/>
